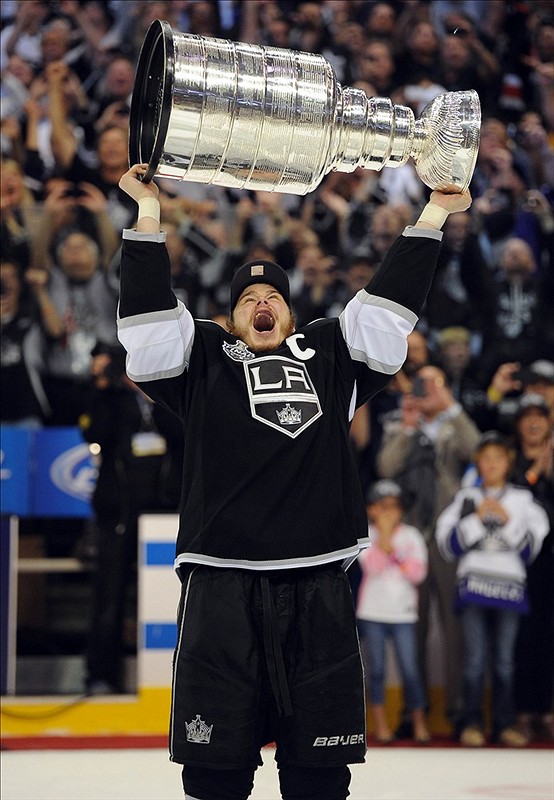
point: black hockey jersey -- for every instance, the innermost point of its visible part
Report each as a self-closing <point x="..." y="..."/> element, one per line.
<point x="269" y="478"/>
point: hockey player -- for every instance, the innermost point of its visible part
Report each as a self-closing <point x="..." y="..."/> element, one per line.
<point x="272" y="508"/>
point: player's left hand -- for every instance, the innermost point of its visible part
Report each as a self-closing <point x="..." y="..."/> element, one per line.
<point x="451" y="202"/>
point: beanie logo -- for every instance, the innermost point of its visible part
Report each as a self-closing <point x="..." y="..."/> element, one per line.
<point x="257" y="269"/>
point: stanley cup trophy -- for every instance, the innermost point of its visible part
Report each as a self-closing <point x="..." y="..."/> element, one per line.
<point x="251" y="117"/>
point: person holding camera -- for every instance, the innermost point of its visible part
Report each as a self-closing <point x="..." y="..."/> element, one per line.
<point x="86" y="304"/>
<point x="492" y="530"/>
<point x="138" y="470"/>
<point x="426" y="452"/>
<point x="70" y="207"/>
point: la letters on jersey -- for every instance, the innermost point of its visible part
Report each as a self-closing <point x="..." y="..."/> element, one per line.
<point x="281" y="394"/>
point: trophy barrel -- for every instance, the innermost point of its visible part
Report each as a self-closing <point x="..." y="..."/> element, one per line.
<point x="245" y="116"/>
<point x="233" y="114"/>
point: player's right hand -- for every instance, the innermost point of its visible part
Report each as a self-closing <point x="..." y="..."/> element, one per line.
<point x="131" y="183"/>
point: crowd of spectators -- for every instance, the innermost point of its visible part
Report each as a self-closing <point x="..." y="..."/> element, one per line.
<point x="67" y="77"/>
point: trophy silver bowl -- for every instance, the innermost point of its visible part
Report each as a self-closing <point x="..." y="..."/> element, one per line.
<point x="246" y="116"/>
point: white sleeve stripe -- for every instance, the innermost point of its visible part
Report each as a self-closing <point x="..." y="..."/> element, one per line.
<point x="378" y="366"/>
<point x="426" y="233"/>
<point x="153" y="350"/>
<point x="156" y="376"/>
<point x="382" y="302"/>
<point x="375" y="331"/>
<point x="151" y="317"/>
<point x="159" y="345"/>
<point x="136" y="236"/>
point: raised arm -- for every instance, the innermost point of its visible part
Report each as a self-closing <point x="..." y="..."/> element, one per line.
<point x="407" y="280"/>
<point x="377" y="321"/>
<point x="145" y="285"/>
<point x="156" y="330"/>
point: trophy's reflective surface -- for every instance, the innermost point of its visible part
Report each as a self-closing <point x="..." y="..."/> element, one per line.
<point x="251" y="117"/>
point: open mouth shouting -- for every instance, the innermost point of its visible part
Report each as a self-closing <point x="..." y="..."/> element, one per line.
<point x="264" y="321"/>
<point x="261" y="318"/>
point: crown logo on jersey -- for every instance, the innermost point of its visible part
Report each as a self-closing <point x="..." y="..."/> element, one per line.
<point x="198" y="732"/>
<point x="289" y="415"/>
<point x="238" y="351"/>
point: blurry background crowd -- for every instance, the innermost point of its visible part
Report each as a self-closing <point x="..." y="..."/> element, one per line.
<point x="488" y="326"/>
<point x="67" y="76"/>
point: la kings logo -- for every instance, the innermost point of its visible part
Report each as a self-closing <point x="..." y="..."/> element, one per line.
<point x="282" y="394"/>
<point x="198" y="732"/>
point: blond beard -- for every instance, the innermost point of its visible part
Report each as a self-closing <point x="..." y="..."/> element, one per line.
<point x="287" y="328"/>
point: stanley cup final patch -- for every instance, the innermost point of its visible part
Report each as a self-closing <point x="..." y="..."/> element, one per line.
<point x="282" y="394"/>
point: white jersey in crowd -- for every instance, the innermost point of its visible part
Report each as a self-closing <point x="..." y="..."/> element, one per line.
<point x="492" y="556"/>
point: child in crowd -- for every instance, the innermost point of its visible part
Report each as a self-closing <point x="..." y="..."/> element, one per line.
<point x="387" y="605"/>
<point x="494" y="529"/>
